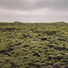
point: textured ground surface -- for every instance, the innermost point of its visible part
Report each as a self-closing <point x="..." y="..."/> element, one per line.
<point x="33" y="45"/>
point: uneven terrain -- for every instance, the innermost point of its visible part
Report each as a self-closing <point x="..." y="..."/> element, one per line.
<point x="34" y="45"/>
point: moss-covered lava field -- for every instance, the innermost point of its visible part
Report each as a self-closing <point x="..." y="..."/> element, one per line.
<point x="34" y="45"/>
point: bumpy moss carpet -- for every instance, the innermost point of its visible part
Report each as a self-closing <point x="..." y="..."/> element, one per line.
<point x="37" y="45"/>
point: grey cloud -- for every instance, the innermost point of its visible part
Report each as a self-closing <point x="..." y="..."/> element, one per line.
<point x="34" y="4"/>
<point x="17" y="4"/>
<point x="54" y="4"/>
<point x="33" y="10"/>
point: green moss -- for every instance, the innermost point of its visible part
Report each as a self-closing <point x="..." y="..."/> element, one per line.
<point x="33" y="45"/>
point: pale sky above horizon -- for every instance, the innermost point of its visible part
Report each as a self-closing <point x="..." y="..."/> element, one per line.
<point x="34" y="10"/>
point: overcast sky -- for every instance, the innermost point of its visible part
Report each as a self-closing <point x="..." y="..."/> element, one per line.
<point x="33" y="10"/>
